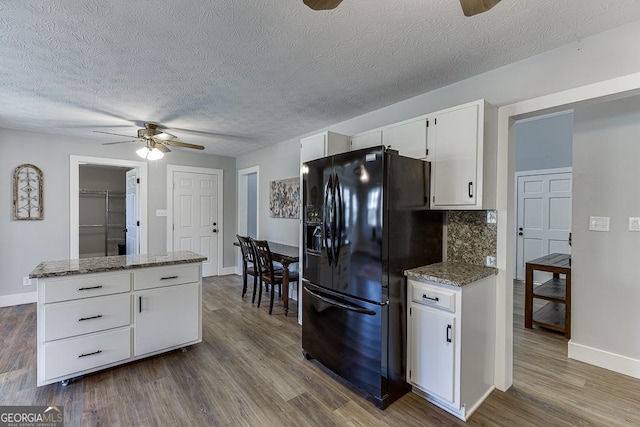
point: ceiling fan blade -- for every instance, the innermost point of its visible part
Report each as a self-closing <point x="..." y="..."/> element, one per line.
<point x="322" y="4"/>
<point x="183" y="144"/>
<point x="474" y="7"/>
<point x="111" y="133"/>
<point x="161" y="147"/>
<point x="120" y="142"/>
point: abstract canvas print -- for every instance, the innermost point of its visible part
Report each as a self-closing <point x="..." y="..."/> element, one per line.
<point x="284" y="198"/>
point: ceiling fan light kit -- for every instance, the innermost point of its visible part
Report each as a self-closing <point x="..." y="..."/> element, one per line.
<point x="150" y="153"/>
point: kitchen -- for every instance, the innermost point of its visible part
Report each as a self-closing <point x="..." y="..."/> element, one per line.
<point x="497" y="87"/>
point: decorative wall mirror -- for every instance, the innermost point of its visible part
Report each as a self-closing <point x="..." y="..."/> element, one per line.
<point x="27" y="193"/>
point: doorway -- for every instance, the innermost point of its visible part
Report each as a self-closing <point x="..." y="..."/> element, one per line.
<point x="140" y="206"/>
<point x="248" y="206"/>
<point x="194" y="213"/>
<point x="543" y="186"/>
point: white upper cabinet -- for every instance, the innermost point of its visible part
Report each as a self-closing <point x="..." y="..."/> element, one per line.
<point x="463" y="154"/>
<point x="321" y="145"/>
<point x="366" y="140"/>
<point x="408" y="137"/>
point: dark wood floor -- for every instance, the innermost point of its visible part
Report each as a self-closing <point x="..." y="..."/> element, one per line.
<point x="249" y="371"/>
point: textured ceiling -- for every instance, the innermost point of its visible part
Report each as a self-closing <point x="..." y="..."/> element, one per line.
<point x="236" y="75"/>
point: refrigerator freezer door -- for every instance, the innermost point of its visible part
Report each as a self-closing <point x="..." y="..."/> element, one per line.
<point x="346" y="335"/>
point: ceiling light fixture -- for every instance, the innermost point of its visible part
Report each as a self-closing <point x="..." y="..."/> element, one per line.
<point x="150" y="153"/>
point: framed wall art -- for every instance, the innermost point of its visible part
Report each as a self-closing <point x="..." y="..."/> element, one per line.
<point x="284" y="198"/>
<point x="27" y="193"/>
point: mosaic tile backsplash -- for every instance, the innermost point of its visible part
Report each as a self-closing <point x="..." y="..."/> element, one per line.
<point x="469" y="238"/>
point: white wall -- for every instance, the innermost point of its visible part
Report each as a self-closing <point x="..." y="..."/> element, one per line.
<point x="544" y="143"/>
<point x="280" y="161"/>
<point x="26" y="243"/>
<point x="605" y="267"/>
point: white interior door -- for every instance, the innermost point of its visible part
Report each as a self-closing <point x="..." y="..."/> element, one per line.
<point x="544" y="217"/>
<point x="132" y="213"/>
<point x="195" y="217"/>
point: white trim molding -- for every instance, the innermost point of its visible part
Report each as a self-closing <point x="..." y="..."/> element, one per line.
<point x="604" y="359"/>
<point x="241" y="208"/>
<point x="207" y="171"/>
<point x="18" y="299"/>
<point x="74" y="194"/>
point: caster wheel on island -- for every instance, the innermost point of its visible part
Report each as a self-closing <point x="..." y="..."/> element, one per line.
<point x="64" y="383"/>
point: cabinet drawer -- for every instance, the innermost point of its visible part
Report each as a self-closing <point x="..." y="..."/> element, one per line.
<point x="166" y="276"/>
<point x="79" y="354"/>
<point x="90" y="285"/>
<point x="68" y="319"/>
<point x="423" y="293"/>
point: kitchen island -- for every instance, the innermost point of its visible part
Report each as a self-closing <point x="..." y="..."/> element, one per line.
<point x="451" y="334"/>
<point x="95" y="313"/>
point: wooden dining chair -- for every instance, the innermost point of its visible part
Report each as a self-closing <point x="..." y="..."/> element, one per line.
<point x="266" y="271"/>
<point x="248" y="265"/>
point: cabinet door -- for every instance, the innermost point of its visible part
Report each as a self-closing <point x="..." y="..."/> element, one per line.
<point x="313" y="147"/>
<point x="372" y="139"/>
<point x="433" y="351"/>
<point x="454" y="137"/>
<point x="410" y="139"/>
<point x="166" y="317"/>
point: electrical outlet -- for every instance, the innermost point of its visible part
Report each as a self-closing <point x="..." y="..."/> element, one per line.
<point x="492" y="261"/>
<point x="634" y="223"/>
<point x="26" y="281"/>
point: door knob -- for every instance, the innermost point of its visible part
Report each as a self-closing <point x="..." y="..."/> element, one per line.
<point x="215" y="230"/>
<point x="520" y="233"/>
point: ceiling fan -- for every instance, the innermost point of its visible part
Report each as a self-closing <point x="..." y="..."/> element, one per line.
<point x="469" y="7"/>
<point x="156" y="141"/>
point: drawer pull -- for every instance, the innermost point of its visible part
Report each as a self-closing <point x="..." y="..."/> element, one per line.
<point x="436" y="299"/>
<point x="90" y="354"/>
<point x="168" y="277"/>
<point x="449" y="330"/>
<point x="89" y="318"/>
<point x="90" y="287"/>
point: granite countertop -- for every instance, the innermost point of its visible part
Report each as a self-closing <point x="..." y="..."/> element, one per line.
<point x="451" y="273"/>
<point x="111" y="263"/>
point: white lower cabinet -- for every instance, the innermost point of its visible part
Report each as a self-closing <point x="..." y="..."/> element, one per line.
<point x="165" y="317"/>
<point x="451" y="333"/>
<point x="94" y="321"/>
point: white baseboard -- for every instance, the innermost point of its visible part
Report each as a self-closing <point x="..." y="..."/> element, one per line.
<point x="18" y="299"/>
<point x="604" y="359"/>
<point x="227" y="270"/>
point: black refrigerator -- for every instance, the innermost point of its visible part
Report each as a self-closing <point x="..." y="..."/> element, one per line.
<point x="366" y="220"/>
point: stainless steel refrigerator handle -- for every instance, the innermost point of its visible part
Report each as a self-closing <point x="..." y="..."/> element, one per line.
<point x="337" y="238"/>
<point x="325" y="220"/>
<point x="340" y="304"/>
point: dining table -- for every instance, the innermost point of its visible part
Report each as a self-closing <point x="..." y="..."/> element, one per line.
<point x="285" y="255"/>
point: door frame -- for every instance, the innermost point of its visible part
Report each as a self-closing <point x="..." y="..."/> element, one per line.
<point x="207" y="171"/>
<point x="602" y="91"/>
<point x="74" y="197"/>
<point x="517" y="176"/>
<point x="242" y="207"/>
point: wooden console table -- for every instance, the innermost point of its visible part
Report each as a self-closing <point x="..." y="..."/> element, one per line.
<point x="556" y="314"/>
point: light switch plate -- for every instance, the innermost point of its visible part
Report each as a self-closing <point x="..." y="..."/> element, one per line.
<point x="161" y="212"/>
<point x="634" y="223"/>
<point x="599" y="223"/>
<point x="492" y="261"/>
